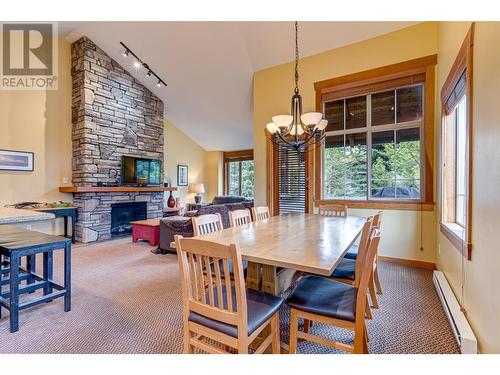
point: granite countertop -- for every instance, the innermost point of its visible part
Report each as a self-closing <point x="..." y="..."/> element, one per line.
<point x="10" y="215"/>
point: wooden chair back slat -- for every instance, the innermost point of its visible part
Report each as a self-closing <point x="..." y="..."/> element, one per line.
<point x="377" y="220"/>
<point x="211" y="293"/>
<point x="240" y="217"/>
<point x="260" y="213"/>
<point x="225" y="263"/>
<point x="206" y="224"/>
<point x="335" y="210"/>
<point x="366" y="273"/>
<point x="362" y="248"/>
<point x="210" y="285"/>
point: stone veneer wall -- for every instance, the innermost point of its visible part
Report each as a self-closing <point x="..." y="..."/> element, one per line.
<point x="113" y="114"/>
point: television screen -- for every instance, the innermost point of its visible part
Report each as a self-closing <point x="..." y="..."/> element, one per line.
<point x="138" y="168"/>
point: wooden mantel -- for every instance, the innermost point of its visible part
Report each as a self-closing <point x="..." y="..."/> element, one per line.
<point x="112" y="189"/>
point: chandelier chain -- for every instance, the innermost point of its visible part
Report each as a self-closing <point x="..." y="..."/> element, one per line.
<point x="296" y="57"/>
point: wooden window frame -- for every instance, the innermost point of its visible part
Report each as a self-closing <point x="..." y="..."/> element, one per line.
<point x="460" y="237"/>
<point x="387" y="77"/>
<point x="232" y="156"/>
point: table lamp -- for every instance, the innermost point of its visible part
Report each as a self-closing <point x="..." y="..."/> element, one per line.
<point x="198" y="189"/>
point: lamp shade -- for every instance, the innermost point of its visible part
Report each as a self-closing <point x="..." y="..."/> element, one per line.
<point x="198" y="188"/>
<point x="311" y="118"/>
<point x="272" y="128"/>
<point x="322" y="125"/>
<point x="283" y="120"/>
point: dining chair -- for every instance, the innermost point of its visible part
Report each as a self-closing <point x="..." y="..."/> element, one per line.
<point x="332" y="210"/>
<point x="205" y="224"/>
<point x="353" y="252"/>
<point x="330" y="302"/>
<point x="260" y="213"/>
<point x="348" y="270"/>
<point x="220" y="313"/>
<point x="240" y="217"/>
<point x="377" y="223"/>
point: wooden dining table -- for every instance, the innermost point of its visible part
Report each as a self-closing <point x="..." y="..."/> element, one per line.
<point x="289" y="243"/>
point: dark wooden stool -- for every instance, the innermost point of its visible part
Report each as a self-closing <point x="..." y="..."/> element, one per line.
<point x="16" y="243"/>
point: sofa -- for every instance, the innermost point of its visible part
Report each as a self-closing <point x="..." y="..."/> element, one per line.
<point x="182" y="225"/>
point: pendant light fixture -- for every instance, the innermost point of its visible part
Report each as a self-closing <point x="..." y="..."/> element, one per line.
<point x="298" y="131"/>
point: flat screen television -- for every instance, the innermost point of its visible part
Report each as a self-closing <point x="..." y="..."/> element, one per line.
<point x="140" y="171"/>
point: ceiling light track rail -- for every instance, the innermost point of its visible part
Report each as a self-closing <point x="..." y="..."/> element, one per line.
<point x="140" y="63"/>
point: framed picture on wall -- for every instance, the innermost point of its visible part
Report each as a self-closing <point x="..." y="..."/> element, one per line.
<point x="16" y="161"/>
<point x="182" y="175"/>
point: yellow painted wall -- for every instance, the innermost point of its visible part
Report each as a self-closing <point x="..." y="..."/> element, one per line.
<point x="482" y="273"/>
<point x="272" y="92"/>
<point x="202" y="165"/>
<point x="39" y="121"/>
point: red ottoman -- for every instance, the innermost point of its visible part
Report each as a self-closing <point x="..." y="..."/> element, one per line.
<point x="146" y="230"/>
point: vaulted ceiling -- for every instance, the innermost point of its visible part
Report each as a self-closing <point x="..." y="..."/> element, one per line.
<point x="209" y="65"/>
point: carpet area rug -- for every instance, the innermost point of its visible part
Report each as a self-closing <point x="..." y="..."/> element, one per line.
<point x="127" y="300"/>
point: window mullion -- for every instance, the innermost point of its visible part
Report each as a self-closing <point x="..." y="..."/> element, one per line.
<point x="368" y="146"/>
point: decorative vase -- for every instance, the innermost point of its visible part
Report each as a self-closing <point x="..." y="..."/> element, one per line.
<point x="171" y="201"/>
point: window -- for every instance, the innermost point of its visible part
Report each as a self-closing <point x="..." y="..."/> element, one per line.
<point x="239" y="173"/>
<point x="378" y="148"/>
<point x="456" y="150"/>
<point x="373" y="145"/>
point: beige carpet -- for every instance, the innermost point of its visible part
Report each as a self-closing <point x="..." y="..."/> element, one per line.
<point x="128" y="300"/>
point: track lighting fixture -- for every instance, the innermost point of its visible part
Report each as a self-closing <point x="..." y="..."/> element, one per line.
<point x="138" y="63"/>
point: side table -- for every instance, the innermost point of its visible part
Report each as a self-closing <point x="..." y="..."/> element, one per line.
<point x="68" y="213"/>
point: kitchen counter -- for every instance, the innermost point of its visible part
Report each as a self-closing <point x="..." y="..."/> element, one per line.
<point x="10" y="215"/>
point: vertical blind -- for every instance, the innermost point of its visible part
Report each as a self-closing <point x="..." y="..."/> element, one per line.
<point x="291" y="180"/>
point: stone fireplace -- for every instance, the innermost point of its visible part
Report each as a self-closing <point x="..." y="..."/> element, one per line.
<point x="113" y="115"/>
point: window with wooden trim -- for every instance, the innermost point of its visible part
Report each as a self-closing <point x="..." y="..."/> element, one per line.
<point x="456" y="150"/>
<point x="239" y="173"/>
<point x="376" y="141"/>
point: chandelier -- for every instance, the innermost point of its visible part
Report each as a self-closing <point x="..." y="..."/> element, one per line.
<point x="298" y="131"/>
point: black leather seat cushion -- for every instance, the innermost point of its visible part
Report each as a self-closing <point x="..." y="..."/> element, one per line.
<point x="322" y="296"/>
<point x="352" y="253"/>
<point x="345" y="270"/>
<point x="260" y="307"/>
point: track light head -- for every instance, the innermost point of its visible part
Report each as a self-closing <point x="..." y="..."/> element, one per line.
<point x="148" y="74"/>
<point x="126" y="52"/>
<point x="158" y="84"/>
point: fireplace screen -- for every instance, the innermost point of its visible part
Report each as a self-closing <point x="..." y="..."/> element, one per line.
<point x="124" y="213"/>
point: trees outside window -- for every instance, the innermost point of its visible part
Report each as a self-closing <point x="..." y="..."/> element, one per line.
<point x="373" y="146"/>
<point x="239" y="173"/>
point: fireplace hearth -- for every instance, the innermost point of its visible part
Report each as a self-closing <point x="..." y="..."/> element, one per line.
<point x="124" y="213"/>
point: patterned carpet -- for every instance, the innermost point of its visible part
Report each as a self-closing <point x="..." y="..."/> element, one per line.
<point x="127" y="300"/>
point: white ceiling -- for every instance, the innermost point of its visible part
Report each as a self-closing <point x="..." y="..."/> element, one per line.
<point x="208" y="66"/>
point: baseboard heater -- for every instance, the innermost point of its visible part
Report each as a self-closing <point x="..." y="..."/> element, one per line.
<point x="459" y="324"/>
